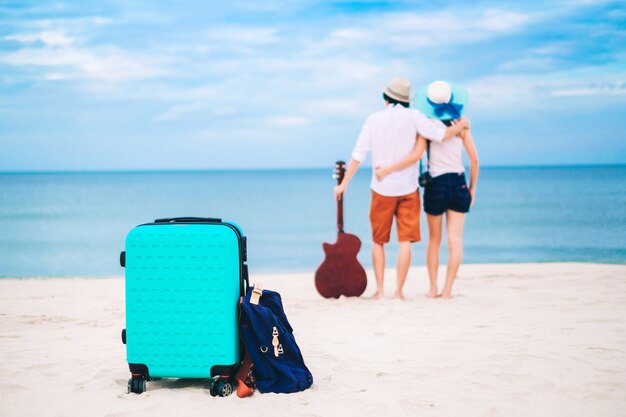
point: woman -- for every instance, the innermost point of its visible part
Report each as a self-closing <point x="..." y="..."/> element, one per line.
<point x="446" y="191"/>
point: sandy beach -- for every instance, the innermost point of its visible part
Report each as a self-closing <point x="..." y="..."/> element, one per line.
<point x="517" y="340"/>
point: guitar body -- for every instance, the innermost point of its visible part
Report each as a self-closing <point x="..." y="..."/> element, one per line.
<point x="341" y="273"/>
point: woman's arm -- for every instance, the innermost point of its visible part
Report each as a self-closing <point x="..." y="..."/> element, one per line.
<point x="415" y="155"/>
<point x="472" y="153"/>
<point x="459" y="125"/>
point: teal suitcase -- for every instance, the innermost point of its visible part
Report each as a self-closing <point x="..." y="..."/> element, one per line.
<point x="184" y="280"/>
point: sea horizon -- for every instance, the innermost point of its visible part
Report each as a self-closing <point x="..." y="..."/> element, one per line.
<point x="265" y="169"/>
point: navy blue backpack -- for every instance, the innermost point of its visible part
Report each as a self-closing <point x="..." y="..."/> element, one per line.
<point x="277" y="363"/>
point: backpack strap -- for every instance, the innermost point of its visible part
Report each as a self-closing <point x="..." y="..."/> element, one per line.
<point x="257" y="291"/>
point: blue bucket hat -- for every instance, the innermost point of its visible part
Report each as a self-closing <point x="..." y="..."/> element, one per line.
<point x="441" y="100"/>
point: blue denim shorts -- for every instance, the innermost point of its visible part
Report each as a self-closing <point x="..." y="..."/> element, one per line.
<point x="447" y="192"/>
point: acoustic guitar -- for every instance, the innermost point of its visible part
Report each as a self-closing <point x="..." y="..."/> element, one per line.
<point x="341" y="273"/>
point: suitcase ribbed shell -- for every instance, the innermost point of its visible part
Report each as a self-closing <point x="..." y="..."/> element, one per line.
<point x="182" y="293"/>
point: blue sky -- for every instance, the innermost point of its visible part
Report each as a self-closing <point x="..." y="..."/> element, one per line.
<point x="247" y="84"/>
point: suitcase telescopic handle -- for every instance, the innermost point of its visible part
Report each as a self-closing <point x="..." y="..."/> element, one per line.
<point x="189" y="220"/>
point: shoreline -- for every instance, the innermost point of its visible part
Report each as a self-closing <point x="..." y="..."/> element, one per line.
<point x="310" y="272"/>
<point x="545" y="339"/>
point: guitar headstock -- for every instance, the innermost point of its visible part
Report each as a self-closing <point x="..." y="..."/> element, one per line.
<point x="340" y="171"/>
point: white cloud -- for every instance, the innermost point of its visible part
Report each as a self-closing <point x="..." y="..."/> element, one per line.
<point x="104" y="63"/>
<point x="59" y="49"/>
<point x="499" y="92"/>
<point x="531" y="63"/>
<point x="50" y="38"/>
<point x="499" y="21"/>
<point x="342" y="107"/>
<point x="228" y="35"/>
<point x="455" y="26"/>
<point x="510" y="94"/>
<point x="593" y="89"/>
<point x="408" y="32"/>
<point x="288" y="121"/>
<point x="176" y="112"/>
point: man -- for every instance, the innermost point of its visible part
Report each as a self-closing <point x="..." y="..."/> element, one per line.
<point x="390" y="135"/>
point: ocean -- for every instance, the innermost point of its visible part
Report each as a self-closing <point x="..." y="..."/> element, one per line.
<point x="74" y="224"/>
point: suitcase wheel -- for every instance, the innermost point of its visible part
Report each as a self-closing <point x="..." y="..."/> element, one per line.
<point x="137" y="385"/>
<point x="222" y="387"/>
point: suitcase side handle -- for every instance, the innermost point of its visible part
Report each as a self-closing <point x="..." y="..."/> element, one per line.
<point x="189" y="220"/>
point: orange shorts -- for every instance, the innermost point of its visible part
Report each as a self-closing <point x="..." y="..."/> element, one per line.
<point x="405" y="208"/>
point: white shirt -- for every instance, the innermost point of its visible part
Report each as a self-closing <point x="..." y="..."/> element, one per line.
<point x="390" y="135"/>
<point x="446" y="157"/>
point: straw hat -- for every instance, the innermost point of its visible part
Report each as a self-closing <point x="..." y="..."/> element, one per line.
<point x="399" y="89"/>
<point x="441" y="100"/>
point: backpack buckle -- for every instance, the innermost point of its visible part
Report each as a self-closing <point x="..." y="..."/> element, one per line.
<point x="257" y="291"/>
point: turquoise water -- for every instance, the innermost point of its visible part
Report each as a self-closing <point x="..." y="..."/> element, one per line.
<point x="68" y="224"/>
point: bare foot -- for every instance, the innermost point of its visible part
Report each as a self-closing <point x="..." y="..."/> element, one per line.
<point x="400" y="296"/>
<point x="378" y="295"/>
<point x="431" y="294"/>
<point x="446" y="295"/>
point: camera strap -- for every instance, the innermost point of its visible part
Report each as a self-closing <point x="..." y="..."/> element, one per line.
<point x="427" y="157"/>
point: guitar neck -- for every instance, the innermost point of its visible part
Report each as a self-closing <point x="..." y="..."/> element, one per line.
<point x="340" y="215"/>
<point x="340" y="170"/>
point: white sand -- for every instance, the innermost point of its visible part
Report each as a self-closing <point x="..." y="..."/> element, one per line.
<point x="517" y="340"/>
